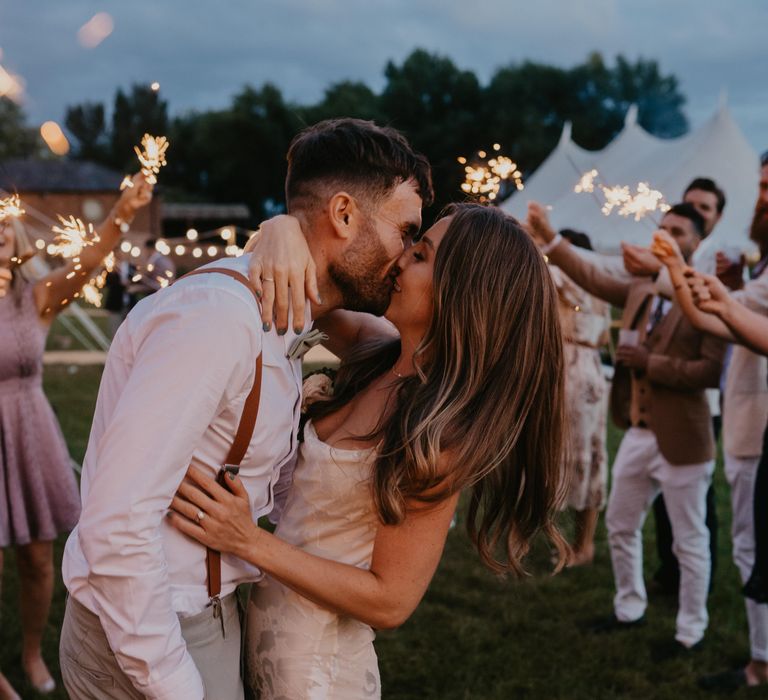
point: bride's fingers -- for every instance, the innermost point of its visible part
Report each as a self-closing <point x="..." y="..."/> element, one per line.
<point x="268" y="299"/>
<point x="189" y="510"/>
<point x="200" y="499"/>
<point x="197" y="478"/>
<point x="252" y="241"/>
<point x="282" y="281"/>
<point x="187" y="526"/>
<point x="254" y="275"/>
<point x="298" y="301"/>
<point x="310" y="282"/>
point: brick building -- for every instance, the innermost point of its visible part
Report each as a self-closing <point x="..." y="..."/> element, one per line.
<point x="71" y="188"/>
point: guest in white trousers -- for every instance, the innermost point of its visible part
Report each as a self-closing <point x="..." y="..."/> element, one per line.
<point x="664" y="365"/>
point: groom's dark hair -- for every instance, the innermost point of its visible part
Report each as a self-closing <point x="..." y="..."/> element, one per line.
<point x="355" y="155"/>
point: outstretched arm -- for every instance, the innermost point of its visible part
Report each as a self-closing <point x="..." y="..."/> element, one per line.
<point x="404" y="559"/>
<point x="54" y="291"/>
<point x="746" y="326"/>
<point x="581" y="271"/>
<point x="283" y="272"/>
<point x="667" y="251"/>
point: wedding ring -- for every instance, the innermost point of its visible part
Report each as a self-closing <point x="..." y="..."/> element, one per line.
<point x="267" y="279"/>
<point x="200" y="516"/>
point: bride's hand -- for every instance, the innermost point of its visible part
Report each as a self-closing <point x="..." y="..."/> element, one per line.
<point x="216" y="517"/>
<point x="283" y="272"/>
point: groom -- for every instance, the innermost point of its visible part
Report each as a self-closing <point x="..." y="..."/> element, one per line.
<point x="138" y="621"/>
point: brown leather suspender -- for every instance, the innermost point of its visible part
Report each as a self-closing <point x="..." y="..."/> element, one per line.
<point x="239" y="445"/>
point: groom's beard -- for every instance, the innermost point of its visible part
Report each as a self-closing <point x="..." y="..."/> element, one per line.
<point x="357" y="274"/>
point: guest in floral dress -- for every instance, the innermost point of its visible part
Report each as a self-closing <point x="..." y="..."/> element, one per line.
<point x="586" y="324"/>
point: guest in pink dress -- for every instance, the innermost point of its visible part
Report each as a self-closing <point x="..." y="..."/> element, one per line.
<point x="39" y="497"/>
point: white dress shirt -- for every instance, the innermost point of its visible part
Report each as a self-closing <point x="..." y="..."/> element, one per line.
<point x="171" y="395"/>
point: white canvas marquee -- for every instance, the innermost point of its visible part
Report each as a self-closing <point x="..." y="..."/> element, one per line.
<point x="717" y="149"/>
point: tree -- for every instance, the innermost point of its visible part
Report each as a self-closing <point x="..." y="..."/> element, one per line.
<point x="17" y="140"/>
<point x="345" y="99"/>
<point x="526" y="104"/>
<point x="87" y="124"/>
<point x="237" y="154"/>
<point x="438" y="107"/>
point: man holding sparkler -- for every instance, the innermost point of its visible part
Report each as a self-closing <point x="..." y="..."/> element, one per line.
<point x="150" y="613"/>
<point x="657" y="394"/>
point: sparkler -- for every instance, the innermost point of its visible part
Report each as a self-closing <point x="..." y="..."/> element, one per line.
<point x="644" y="201"/>
<point x="71" y="237"/>
<point x="151" y="157"/>
<point x="587" y="182"/>
<point x="484" y="179"/>
<point x="10" y="208"/>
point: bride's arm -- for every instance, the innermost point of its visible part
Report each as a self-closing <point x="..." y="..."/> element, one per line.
<point x="405" y="556"/>
<point x="283" y="272"/>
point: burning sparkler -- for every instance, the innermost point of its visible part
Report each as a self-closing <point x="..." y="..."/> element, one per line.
<point x="644" y="201"/>
<point x="71" y="237"/>
<point x="151" y="157"/>
<point x="587" y="182"/>
<point x="484" y="179"/>
<point x="10" y="208"/>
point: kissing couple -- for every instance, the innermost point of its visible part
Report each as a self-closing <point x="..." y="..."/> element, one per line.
<point x="196" y="435"/>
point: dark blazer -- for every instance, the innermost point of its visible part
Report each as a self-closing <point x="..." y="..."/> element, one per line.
<point x="682" y="363"/>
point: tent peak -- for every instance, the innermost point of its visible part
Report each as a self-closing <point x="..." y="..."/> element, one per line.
<point x="630" y="119"/>
<point x="565" y="135"/>
<point x="722" y="100"/>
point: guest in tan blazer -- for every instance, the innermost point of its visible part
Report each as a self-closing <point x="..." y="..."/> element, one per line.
<point x="663" y="367"/>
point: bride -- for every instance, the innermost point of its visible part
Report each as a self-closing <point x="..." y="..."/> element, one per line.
<point x="468" y="397"/>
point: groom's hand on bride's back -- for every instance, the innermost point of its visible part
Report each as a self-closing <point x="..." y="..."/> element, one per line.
<point x="283" y="272"/>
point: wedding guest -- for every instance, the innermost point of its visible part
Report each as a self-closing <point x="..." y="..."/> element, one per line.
<point x="586" y="323"/>
<point x="709" y="200"/>
<point x="657" y="395"/>
<point x="746" y="416"/>
<point x="38" y="492"/>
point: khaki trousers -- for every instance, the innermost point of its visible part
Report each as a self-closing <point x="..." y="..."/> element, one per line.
<point x="90" y="670"/>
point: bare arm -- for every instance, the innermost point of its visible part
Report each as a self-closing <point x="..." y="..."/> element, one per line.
<point x="581" y="271"/>
<point x="347" y="329"/>
<point x="665" y="248"/>
<point x="282" y="271"/>
<point x="404" y="559"/>
<point x="749" y="328"/>
<point x="54" y="291"/>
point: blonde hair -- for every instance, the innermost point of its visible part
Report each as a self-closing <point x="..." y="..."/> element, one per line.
<point x="489" y="392"/>
<point x="33" y="269"/>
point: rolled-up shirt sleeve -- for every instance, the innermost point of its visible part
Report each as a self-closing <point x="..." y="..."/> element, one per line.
<point x="191" y="357"/>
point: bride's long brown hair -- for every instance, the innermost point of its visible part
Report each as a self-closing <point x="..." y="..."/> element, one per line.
<point x="488" y="392"/>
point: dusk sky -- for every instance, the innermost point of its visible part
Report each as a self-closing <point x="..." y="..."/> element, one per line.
<point x="202" y="53"/>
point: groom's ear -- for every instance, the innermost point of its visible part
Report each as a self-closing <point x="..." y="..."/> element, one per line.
<point x="344" y="214"/>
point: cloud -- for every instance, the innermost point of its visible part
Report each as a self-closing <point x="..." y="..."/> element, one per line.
<point x="202" y="52"/>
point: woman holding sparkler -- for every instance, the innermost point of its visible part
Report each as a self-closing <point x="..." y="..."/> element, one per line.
<point x="38" y="493"/>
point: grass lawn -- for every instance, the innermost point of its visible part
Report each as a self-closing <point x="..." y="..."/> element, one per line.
<point x="475" y="636"/>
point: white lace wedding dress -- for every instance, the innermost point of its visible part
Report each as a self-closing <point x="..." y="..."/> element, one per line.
<point x="297" y="650"/>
